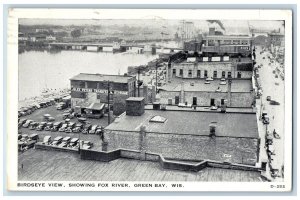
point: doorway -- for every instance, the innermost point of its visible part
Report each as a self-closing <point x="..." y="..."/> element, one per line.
<point x="176" y="100"/>
<point x="212" y="102"/>
<point x="195" y="101"/>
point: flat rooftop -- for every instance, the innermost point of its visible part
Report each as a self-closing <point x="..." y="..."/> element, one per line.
<point x="101" y="78"/>
<point x="237" y="85"/>
<point x="231" y="60"/>
<point x="64" y="166"/>
<point x="192" y="123"/>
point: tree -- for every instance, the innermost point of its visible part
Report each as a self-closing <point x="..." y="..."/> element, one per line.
<point x="76" y="33"/>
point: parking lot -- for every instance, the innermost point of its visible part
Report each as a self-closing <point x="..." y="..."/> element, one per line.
<point x="38" y="114"/>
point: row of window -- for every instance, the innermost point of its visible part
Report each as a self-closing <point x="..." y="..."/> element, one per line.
<point x="215" y="73"/>
<point x="213" y="102"/>
<point x="227" y="42"/>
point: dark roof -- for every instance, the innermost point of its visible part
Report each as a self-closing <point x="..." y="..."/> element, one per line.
<point x="189" y="122"/>
<point x="101" y="77"/>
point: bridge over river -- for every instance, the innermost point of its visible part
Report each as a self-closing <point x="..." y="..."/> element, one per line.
<point x="114" y="47"/>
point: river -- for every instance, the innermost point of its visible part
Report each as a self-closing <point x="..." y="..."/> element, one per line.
<point x="41" y="69"/>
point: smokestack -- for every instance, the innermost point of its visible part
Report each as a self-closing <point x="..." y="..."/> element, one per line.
<point x="212" y="129"/>
<point x="182" y="92"/>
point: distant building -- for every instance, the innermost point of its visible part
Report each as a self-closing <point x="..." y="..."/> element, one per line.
<point x="186" y="135"/>
<point x="93" y="88"/>
<point x="22" y="37"/>
<point x="276" y="39"/>
<point x="50" y="38"/>
<point x="41" y="30"/>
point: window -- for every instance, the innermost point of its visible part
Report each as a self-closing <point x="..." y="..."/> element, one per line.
<point x="174" y="72"/>
<point x="223" y="74"/>
<point x="227" y="42"/>
<point x="205" y="73"/>
<point x="181" y="72"/>
<point x="190" y="73"/>
<point x="198" y="73"/>
<point x="229" y="75"/>
<point x="176" y="100"/>
<point x="239" y="75"/>
<point x="244" y="42"/>
<point x="215" y="74"/>
<point x="235" y="42"/>
<point x="211" y="43"/>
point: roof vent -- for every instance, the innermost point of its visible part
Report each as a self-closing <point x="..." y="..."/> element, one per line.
<point x="158" y="119"/>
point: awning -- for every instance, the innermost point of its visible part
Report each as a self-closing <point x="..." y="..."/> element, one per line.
<point x="94" y="106"/>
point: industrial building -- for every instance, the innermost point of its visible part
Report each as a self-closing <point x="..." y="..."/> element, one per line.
<point x="196" y="92"/>
<point x="94" y="88"/>
<point x="186" y="135"/>
<point x="214" y="67"/>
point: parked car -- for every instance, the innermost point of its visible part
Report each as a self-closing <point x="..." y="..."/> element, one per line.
<point x="48" y="126"/>
<point x="57" y="140"/>
<point x="272" y="102"/>
<point x="87" y="145"/>
<point x="47" y="139"/>
<point x="28" y="122"/>
<point x="63" y="127"/>
<point x="61" y="106"/>
<point x="266" y="120"/>
<point x="34" y="137"/>
<point x="214" y="108"/>
<point x="41" y="126"/>
<point x="93" y="129"/>
<point x="99" y="130"/>
<point x="78" y="128"/>
<point x="33" y="125"/>
<point x="21" y="122"/>
<point x="56" y="126"/>
<point x="24" y="137"/>
<point x="65" y="141"/>
<point x="86" y="128"/>
<point x="73" y="142"/>
<point x="268" y="98"/>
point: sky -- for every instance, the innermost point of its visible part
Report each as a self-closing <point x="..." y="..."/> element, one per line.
<point x="231" y="26"/>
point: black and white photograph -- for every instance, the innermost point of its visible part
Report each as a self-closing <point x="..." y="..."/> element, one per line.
<point x="150" y="100"/>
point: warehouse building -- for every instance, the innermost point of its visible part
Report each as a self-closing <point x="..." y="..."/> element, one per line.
<point x="93" y="88"/>
<point x="234" y="93"/>
<point x="214" y="67"/>
<point x="186" y="135"/>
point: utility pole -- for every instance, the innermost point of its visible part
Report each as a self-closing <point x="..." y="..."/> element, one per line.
<point x="156" y="78"/>
<point x="108" y="99"/>
<point x="139" y="81"/>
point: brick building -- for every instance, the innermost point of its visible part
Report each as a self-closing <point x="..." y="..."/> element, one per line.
<point x="187" y="135"/>
<point x="238" y="93"/>
<point x="93" y="88"/>
<point x="215" y="67"/>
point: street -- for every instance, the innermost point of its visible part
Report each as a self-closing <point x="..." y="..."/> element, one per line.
<point x="275" y="112"/>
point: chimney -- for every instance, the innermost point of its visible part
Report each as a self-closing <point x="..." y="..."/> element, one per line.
<point x="229" y="92"/>
<point x="212" y="31"/>
<point x="135" y="106"/>
<point x="182" y="99"/>
<point x="212" y="129"/>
